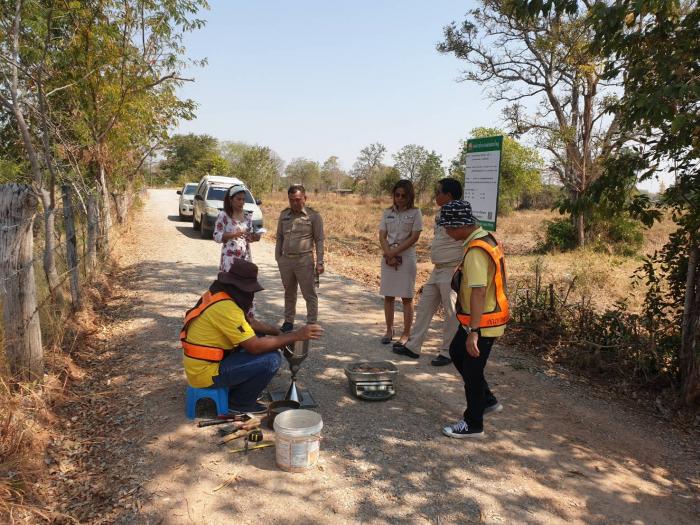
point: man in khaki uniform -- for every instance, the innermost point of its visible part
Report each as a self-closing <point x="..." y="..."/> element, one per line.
<point x="299" y="229"/>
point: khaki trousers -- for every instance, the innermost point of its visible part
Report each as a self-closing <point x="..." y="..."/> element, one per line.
<point x="298" y="271"/>
<point x="436" y="291"/>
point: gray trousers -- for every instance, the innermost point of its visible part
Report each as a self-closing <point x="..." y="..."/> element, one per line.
<point x="298" y="271"/>
<point x="436" y="292"/>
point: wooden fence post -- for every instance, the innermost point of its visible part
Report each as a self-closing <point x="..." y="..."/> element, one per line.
<point x="71" y="246"/>
<point x="92" y="228"/>
<point x="25" y="355"/>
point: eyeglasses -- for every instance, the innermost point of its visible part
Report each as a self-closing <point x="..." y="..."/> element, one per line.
<point x="398" y="195"/>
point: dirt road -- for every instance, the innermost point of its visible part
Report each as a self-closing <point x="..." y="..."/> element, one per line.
<point x="557" y="453"/>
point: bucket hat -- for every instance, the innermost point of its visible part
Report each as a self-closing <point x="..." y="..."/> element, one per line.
<point x="243" y="275"/>
<point x="455" y="214"/>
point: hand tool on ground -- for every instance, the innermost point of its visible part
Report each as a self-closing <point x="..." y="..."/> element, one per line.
<point x="224" y="418"/>
<point x="210" y="422"/>
<point x="235" y="417"/>
<point x="262" y="444"/>
<point x="235" y="435"/>
<point x="254" y="436"/>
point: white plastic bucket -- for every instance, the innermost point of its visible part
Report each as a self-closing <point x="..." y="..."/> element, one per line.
<point x="298" y="439"/>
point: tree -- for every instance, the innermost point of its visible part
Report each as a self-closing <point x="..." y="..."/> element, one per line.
<point x="29" y="53"/>
<point x="520" y="57"/>
<point x="305" y="172"/>
<point x="122" y="66"/>
<point x="654" y="45"/>
<point x="190" y="157"/>
<point x="409" y="160"/>
<point x="520" y="169"/>
<point x="386" y="177"/>
<point x="332" y="176"/>
<point x="366" y="167"/>
<point x="259" y="167"/>
<point x="429" y="173"/>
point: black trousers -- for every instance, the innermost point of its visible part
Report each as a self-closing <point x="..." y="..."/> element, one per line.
<point x="476" y="389"/>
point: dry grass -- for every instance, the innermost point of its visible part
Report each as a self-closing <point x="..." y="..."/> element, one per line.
<point x="352" y="247"/>
<point x="29" y="420"/>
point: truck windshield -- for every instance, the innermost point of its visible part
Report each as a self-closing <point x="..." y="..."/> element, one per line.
<point x="218" y="194"/>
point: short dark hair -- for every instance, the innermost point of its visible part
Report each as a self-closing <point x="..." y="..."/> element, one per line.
<point x="407" y="186"/>
<point x="295" y="188"/>
<point x="451" y="186"/>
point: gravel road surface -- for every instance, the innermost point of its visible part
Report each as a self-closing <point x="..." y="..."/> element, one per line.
<point x="558" y="453"/>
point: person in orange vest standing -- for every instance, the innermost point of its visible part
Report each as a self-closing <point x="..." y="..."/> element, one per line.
<point x="220" y="344"/>
<point x="482" y="311"/>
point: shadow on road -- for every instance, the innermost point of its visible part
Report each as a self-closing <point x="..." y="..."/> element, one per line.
<point x="388" y="458"/>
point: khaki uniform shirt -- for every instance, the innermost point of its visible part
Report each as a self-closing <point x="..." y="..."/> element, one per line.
<point x="297" y="233"/>
<point x="400" y="225"/>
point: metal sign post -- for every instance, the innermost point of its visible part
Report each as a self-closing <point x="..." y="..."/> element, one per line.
<point x="482" y="174"/>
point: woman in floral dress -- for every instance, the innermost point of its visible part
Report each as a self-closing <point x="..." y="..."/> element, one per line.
<point x="234" y="229"/>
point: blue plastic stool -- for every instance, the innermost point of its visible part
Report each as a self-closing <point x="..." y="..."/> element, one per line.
<point x="218" y="395"/>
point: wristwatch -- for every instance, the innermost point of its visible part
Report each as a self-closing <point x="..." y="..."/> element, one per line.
<point x="469" y="330"/>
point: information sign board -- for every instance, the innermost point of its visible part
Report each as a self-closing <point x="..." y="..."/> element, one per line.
<point x="482" y="173"/>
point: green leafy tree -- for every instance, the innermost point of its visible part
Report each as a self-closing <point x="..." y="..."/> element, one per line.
<point x="332" y="175"/>
<point x="366" y="168"/>
<point x="409" y="160"/>
<point x="386" y="177"/>
<point x="119" y="72"/>
<point x="429" y="173"/>
<point x="305" y="172"/>
<point x="259" y="167"/>
<point x="653" y="44"/>
<point x="521" y="168"/>
<point x="189" y="157"/>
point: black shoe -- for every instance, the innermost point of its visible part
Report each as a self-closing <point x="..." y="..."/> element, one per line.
<point x="286" y="327"/>
<point x="461" y="430"/>
<point x="402" y="350"/>
<point x="441" y="360"/>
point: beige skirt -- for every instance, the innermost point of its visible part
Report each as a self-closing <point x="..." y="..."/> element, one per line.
<point x="401" y="281"/>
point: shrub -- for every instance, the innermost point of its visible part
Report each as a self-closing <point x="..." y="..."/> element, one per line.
<point x="560" y="234"/>
<point x="617" y="234"/>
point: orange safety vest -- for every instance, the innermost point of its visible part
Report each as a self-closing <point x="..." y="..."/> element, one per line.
<point x="196" y="351"/>
<point x="501" y="313"/>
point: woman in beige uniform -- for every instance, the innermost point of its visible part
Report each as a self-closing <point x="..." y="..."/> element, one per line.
<point x="399" y="230"/>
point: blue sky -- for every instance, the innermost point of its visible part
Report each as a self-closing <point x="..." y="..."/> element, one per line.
<point x="312" y="78"/>
<point x="315" y="78"/>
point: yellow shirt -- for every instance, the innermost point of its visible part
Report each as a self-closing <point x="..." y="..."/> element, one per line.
<point x="478" y="271"/>
<point x="222" y="325"/>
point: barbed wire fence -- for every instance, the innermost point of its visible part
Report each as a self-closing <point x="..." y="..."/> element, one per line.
<point x="24" y="288"/>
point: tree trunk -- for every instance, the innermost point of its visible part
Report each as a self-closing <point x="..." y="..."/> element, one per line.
<point x="49" y="259"/>
<point x="71" y="246"/>
<point x="105" y="213"/>
<point x="93" y="223"/>
<point x="689" y="355"/>
<point x="580" y="230"/>
<point x="25" y="355"/>
<point x="121" y="206"/>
